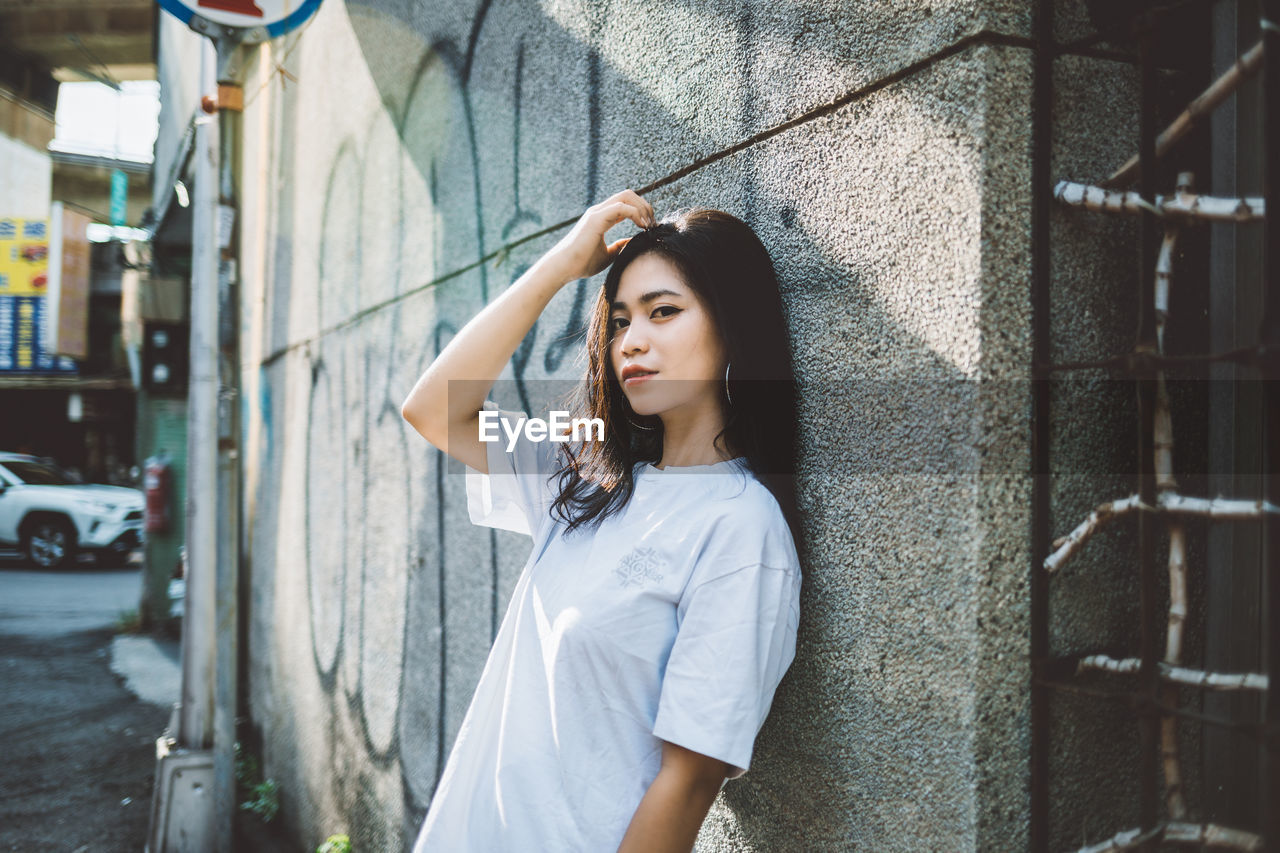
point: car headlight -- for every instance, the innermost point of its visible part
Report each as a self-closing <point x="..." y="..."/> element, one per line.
<point x="99" y="507"/>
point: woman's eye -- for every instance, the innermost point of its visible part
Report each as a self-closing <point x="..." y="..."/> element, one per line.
<point x="616" y="324"/>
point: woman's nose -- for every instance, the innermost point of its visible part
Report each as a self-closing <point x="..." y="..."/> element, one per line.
<point x="633" y="340"/>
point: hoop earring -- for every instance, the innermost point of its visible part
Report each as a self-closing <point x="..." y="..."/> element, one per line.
<point x="726" y="383"/>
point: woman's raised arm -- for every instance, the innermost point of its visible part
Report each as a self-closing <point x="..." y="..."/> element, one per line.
<point x="484" y="345"/>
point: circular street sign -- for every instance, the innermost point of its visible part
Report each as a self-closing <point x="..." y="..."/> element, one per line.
<point x="258" y="20"/>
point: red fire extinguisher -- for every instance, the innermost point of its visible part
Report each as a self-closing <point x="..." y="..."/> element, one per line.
<point x="156" y="480"/>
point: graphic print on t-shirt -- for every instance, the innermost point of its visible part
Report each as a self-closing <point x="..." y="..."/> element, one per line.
<point x="640" y="567"/>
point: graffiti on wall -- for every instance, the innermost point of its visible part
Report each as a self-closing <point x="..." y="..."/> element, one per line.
<point x="378" y="562"/>
<point x="391" y="606"/>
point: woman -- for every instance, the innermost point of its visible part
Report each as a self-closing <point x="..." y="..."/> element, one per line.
<point x="658" y="610"/>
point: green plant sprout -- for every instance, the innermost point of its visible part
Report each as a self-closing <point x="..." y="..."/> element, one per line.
<point x="264" y="794"/>
<point x="266" y="800"/>
<point x="335" y="844"/>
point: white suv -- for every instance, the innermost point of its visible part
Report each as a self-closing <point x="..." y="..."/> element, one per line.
<point x="52" y="519"/>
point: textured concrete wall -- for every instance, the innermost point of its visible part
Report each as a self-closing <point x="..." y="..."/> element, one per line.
<point x="883" y="153"/>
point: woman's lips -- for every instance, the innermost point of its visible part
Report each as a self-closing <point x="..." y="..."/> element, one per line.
<point x="636" y="380"/>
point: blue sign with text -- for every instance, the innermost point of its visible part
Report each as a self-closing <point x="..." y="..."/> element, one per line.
<point x="119" y="197"/>
<point x="23" y="348"/>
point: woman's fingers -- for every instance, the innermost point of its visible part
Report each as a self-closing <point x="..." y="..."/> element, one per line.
<point x="619" y="210"/>
<point x="583" y="252"/>
<point x="636" y="201"/>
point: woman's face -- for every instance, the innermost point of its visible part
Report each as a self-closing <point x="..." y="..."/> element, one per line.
<point x="658" y="323"/>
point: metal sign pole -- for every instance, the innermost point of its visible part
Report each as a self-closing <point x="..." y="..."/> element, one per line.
<point x="195" y="722"/>
<point x="204" y="748"/>
<point x="228" y="499"/>
<point x="209" y="664"/>
<point x="194" y="802"/>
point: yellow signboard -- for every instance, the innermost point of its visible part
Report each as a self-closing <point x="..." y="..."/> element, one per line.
<point x="24" y="286"/>
<point x="24" y="257"/>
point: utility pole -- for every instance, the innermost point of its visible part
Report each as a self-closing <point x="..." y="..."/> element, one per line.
<point x="195" y="729"/>
<point x="194" y="806"/>
<point x="230" y="103"/>
<point x="194" y="801"/>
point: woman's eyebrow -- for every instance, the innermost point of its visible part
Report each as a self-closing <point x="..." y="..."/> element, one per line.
<point x="646" y="299"/>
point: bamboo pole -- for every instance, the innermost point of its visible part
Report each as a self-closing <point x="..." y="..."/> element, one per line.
<point x="1164" y="273"/>
<point x="1162" y="454"/>
<point x="1177" y="674"/>
<point x="1185" y="206"/>
<point x="1180" y="832"/>
<point x="1243" y="68"/>
<point x="1221" y="509"/>
<point x="1066" y="546"/>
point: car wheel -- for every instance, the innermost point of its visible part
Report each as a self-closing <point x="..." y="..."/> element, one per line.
<point x="50" y="544"/>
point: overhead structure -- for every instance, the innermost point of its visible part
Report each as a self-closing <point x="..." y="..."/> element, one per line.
<point x="105" y="40"/>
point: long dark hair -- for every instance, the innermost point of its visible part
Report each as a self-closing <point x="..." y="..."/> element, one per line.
<point x="724" y="262"/>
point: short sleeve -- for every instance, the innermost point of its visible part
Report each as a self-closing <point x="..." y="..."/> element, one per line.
<point x="736" y="641"/>
<point x="518" y="491"/>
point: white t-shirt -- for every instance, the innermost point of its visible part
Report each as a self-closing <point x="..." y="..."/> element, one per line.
<point x="675" y="621"/>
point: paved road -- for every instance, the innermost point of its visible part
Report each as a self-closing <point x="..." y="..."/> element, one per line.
<point x="79" y="749"/>
<point x="78" y="746"/>
<point x="44" y="604"/>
